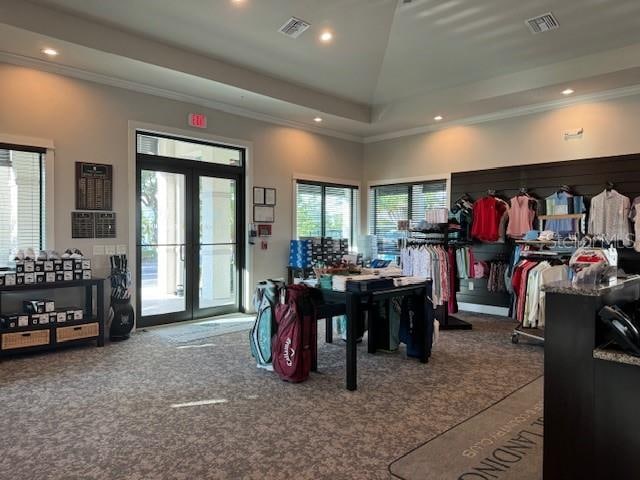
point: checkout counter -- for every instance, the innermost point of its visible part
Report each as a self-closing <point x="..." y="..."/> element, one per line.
<point x="591" y="387"/>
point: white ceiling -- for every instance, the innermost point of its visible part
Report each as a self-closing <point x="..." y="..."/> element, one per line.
<point x="390" y="66"/>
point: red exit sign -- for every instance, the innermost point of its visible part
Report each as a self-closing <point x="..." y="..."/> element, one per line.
<point x="197" y="120"/>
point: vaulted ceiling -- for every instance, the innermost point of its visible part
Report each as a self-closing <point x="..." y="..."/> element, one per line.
<point x="391" y="65"/>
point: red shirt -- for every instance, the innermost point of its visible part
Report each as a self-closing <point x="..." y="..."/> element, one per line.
<point x="487" y="213"/>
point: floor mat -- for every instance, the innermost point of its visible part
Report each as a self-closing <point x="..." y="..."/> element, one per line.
<point x="503" y="442"/>
<point x="202" y="330"/>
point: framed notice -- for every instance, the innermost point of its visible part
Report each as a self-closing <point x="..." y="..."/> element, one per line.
<point x="263" y="214"/>
<point x="258" y="195"/>
<point x="94" y="186"/>
<point x="270" y="196"/>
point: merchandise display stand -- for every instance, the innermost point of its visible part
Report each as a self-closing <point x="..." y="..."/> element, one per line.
<point x="447" y="321"/>
<point x="50" y="336"/>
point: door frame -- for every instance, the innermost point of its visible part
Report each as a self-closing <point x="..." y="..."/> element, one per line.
<point x="193" y="171"/>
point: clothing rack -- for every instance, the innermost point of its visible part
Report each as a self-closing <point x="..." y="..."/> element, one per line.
<point x="447" y="321"/>
<point x="536" y="333"/>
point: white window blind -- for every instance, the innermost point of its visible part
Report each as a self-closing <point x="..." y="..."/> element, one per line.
<point x="390" y="203"/>
<point x="22" y="208"/>
<point x="309" y="210"/>
<point x="325" y="210"/>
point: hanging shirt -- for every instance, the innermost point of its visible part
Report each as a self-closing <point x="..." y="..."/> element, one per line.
<point x="532" y="301"/>
<point x="634" y="216"/>
<point x="560" y="203"/>
<point x="551" y="275"/>
<point x="521" y="216"/>
<point x="487" y="214"/>
<point x="609" y="216"/>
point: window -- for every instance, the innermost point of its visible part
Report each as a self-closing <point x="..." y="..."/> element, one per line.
<point x="409" y="201"/>
<point x="22" y="202"/>
<point x="151" y="144"/>
<point x="326" y="210"/>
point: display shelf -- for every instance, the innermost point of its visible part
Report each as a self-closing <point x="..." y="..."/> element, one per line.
<point x="49" y="286"/>
<point x="9" y="335"/>
<point x="574" y="216"/>
<point x="49" y="326"/>
<point x="536" y="242"/>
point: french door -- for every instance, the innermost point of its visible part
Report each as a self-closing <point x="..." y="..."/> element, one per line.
<point x="190" y="251"/>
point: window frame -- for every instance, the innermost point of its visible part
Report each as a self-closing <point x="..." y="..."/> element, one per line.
<point x="372" y="195"/>
<point x="45" y="148"/>
<point x="324" y="184"/>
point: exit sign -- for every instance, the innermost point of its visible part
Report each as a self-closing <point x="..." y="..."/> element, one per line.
<point x="197" y="120"/>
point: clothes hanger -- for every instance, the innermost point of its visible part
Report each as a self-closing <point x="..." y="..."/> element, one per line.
<point x="610" y="186"/>
<point x="491" y="192"/>
<point x="564" y="189"/>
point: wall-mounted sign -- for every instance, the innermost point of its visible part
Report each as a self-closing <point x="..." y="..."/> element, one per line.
<point x="264" y="230"/>
<point x="197" y="120"/>
<point x="94" y="186"/>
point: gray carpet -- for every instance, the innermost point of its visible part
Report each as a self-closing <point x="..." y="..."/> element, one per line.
<point x="503" y="442"/>
<point x="121" y="412"/>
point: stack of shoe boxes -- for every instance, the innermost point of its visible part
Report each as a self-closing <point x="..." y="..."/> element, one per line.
<point x="40" y="312"/>
<point x="32" y="272"/>
<point x="327" y="251"/>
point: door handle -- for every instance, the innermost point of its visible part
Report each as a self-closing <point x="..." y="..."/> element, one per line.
<point x="182" y="253"/>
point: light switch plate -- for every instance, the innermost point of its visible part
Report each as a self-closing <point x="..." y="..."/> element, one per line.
<point x="98" y="250"/>
<point x="121" y="250"/>
<point x="110" y="249"/>
<point x="471" y="287"/>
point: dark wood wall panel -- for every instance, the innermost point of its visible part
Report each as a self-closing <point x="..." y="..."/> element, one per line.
<point x="587" y="177"/>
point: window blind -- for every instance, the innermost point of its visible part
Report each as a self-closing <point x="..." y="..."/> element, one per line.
<point x="22" y="209"/>
<point x="325" y="210"/>
<point x="390" y="203"/>
<point x="308" y="210"/>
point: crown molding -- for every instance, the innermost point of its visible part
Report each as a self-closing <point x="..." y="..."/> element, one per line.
<point x="66" y="70"/>
<point x="510" y="113"/>
<point x="81" y="74"/>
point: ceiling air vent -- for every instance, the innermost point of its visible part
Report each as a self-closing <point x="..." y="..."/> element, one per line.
<point x="543" y="23"/>
<point x="294" y="27"/>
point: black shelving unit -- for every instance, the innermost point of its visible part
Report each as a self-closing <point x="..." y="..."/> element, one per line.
<point x="447" y="321"/>
<point x="76" y="325"/>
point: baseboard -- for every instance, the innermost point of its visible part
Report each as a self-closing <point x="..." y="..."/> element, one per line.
<point x="488" y="309"/>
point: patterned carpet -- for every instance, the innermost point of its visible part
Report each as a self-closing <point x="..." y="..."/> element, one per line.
<point x="119" y="412"/>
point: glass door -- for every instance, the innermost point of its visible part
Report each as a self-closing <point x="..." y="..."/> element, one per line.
<point x="190" y="228"/>
<point x="217" y="267"/>
<point x="163" y="247"/>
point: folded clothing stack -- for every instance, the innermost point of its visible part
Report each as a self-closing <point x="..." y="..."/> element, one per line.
<point x="406" y="281"/>
<point x="340" y="281"/>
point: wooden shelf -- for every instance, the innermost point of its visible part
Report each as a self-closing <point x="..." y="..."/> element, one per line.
<point x="574" y="216"/>
<point x="537" y="242"/>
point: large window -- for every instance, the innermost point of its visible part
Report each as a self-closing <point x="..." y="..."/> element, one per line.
<point x="22" y="205"/>
<point x="326" y="210"/>
<point x="390" y="203"/>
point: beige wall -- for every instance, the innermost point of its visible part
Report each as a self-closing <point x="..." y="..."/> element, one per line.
<point x="90" y="122"/>
<point x="610" y="128"/>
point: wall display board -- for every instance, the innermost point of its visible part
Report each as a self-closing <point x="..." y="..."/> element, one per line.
<point x="93" y="225"/>
<point x="586" y="177"/>
<point x="94" y="186"/>
<point x="105" y="224"/>
<point x="82" y="225"/>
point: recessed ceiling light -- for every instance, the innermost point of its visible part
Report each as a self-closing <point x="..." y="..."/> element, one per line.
<point x="438" y="118"/>
<point x="326" y="36"/>
<point x="568" y="91"/>
<point x="238" y="2"/>
<point x="318" y="119"/>
<point x="50" y="51"/>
